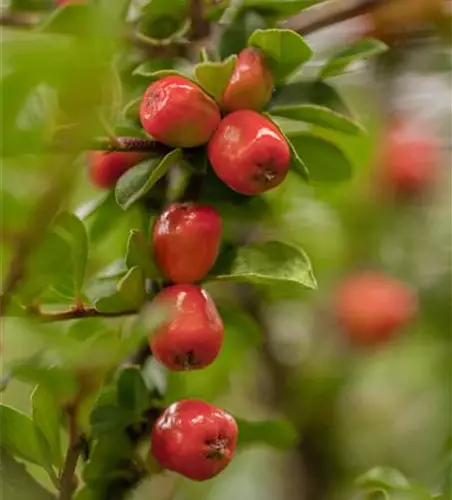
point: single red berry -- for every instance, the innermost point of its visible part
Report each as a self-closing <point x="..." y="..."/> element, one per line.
<point x="251" y="84"/>
<point x="105" y="168"/>
<point x="249" y="153"/>
<point x="178" y="113"/>
<point x="194" y="439"/>
<point x="192" y="338"/>
<point x="372" y="307"/>
<point x="409" y="160"/>
<point x="186" y="241"/>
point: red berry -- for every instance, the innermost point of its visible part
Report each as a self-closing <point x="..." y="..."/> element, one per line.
<point x="251" y="84"/>
<point x="178" y="113"/>
<point x="106" y="168"/>
<point x="372" y="307"/>
<point x="186" y="240"/>
<point x="194" y="439"/>
<point x="249" y="153"/>
<point x="410" y="160"/>
<point x="193" y="337"/>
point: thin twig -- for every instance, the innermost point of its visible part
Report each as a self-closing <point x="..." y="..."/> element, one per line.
<point x="77" y="313"/>
<point x="200" y="27"/>
<point x="67" y="479"/>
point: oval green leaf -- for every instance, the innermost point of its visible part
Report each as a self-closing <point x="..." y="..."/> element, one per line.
<point x="132" y="391"/>
<point x="325" y="161"/>
<point x="285" y="51"/>
<point x="363" y="49"/>
<point x="265" y="264"/>
<point x="214" y="77"/>
<point x="319" y="115"/>
<point x="136" y="182"/>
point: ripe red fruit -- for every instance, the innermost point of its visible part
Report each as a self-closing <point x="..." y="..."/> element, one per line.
<point x="409" y="159"/>
<point x="186" y="241"/>
<point x="178" y="113"/>
<point x="249" y="153"/>
<point x="251" y="84"/>
<point x="105" y="168"/>
<point x="194" y="439"/>
<point x="372" y="307"/>
<point x="192" y="338"/>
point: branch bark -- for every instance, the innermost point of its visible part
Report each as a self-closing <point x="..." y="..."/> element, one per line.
<point x="67" y="478"/>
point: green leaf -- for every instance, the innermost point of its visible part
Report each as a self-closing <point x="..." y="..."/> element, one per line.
<point x="383" y="477"/>
<point x="72" y="230"/>
<point x="161" y="19"/>
<point x="73" y="18"/>
<point x="129" y="295"/>
<point x="30" y="5"/>
<point x="132" y="391"/>
<point x="325" y="161"/>
<point x="58" y="381"/>
<point x="296" y="163"/>
<point x="132" y="108"/>
<point x="266" y="263"/>
<point x="17" y="483"/>
<point x="280" y="434"/>
<point x="236" y="33"/>
<point x="110" y="418"/>
<point x="285" y="51"/>
<point x="138" y="181"/>
<point x="159" y="68"/>
<point x="47" y="418"/>
<point x="140" y="253"/>
<point x="214" y="76"/>
<point x="19" y="436"/>
<point x="363" y="49"/>
<point x="318" y="93"/>
<point x="319" y="115"/>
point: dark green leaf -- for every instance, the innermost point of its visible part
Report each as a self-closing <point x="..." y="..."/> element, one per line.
<point x="136" y="182"/>
<point x="19" y="436"/>
<point x="266" y="263"/>
<point x="73" y="232"/>
<point x="17" y="483"/>
<point x="361" y="50"/>
<point x="161" y="19"/>
<point x="105" y="419"/>
<point x="159" y="68"/>
<point x="132" y="391"/>
<point x="140" y="253"/>
<point x="47" y="418"/>
<point x="129" y="295"/>
<point x="318" y="93"/>
<point x="296" y="163"/>
<point x="324" y="160"/>
<point x="236" y="33"/>
<point x="285" y="51"/>
<point x="319" y="115"/>
<point x="280" y="434"/>
<point x="214" y="76"/>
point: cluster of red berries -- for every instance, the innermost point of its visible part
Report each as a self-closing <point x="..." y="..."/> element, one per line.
<point x="249" y="153"/>
<point x="246" y="150"/>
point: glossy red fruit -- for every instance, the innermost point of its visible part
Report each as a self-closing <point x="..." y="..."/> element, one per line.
<point x="249" y="153"/>
<point x="105" y="168"/>
<point x="193" y="336"/>
<point x="372" y="307"/>
<point x="186" y="241"/>
<point x="251" y="84"/>
<point x="410" y="159"/>
<point x="178" y="113"/>
<point x="194" y="439"/>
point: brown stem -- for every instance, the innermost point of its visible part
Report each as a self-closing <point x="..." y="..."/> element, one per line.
<point x="200" y="28"/>
<point x="327" y="14"/>
<point x="67" y="477"/>
<point x="77" y="313"/>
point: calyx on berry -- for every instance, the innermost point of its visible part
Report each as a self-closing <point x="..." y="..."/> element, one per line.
<point x="192" y="337"/>
<point x="177" y="112"/>
<point x="194" y="439"/>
